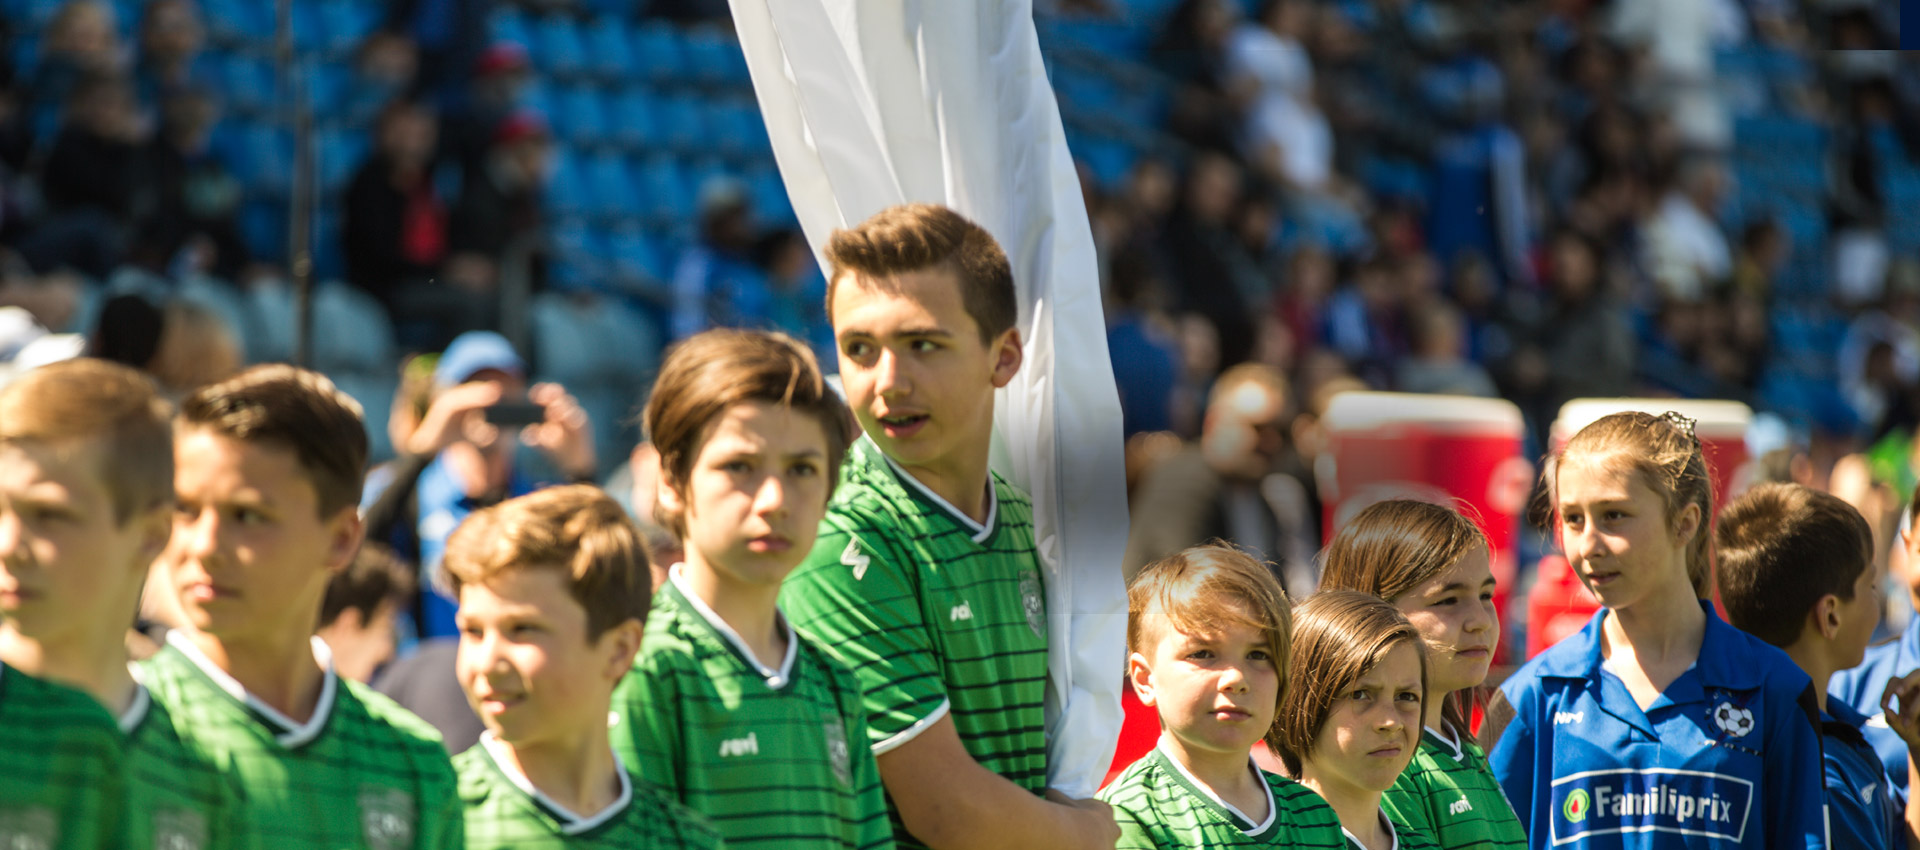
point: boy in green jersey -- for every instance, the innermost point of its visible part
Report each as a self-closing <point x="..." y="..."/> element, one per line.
<point x="553" y="590"/>
<point x="267" y="472"/>
<point x="62" y="765"/>
<point x="1208" y="632"/>
<point x="924" y="579"/>
<point x="86" y="486"/>
<point x="724" y="692"/>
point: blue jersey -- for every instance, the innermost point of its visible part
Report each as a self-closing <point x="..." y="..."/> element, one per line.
<point x="1860" y="688"/>
<point x="1862" y="811"/>
<point x="1727" y="756"/>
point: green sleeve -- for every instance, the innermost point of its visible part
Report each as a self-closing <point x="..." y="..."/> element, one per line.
<point x="876" y="830"/>
<point x="1406" y="801"/>
<point x="646" y="735"/>
<point x="856" y="597"/>
<point x="443" y="824"/>
<point x="1134" y="835"/>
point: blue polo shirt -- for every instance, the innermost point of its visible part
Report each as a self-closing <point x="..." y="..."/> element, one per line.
<point x="1863" y="810"/>
<point x="443" y="505"/>
<point x="1727" y="756"/>
<point x="1860" y="689"/>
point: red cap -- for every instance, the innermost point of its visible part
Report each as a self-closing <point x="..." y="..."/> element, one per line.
<point x="500" y="57"/>
<point x="518" y="127"/>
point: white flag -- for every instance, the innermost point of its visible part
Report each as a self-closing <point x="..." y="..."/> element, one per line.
<point x="872" y="104"/>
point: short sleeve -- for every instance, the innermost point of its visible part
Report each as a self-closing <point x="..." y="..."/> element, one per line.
<point x="1795" y="813"/>
<point x="1406" y="802"/>
<point x="855" y="596"/>
<point x="646" y="718"/>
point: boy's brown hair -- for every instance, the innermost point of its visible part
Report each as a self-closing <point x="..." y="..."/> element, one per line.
<point x="114" y="405"/>
<point x="1781" y="547"/>
<point x="375" y="576"/>
<point x="295" y="409"/>
<point x="577" y="530"/>
<point x="714" y="370"/>
<point x="1338" y="635"/>
<point x="1202" y="588"/>
<point x="1663" y="452"/>
<point x="917" y="237"/>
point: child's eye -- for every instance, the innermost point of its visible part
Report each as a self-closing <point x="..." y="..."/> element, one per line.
<point x="1203" y="654"/>
<point x="1613" y="515"/>
<point x="1445" y="600"/>
<point x="737" y="467"/>
<point x="924" y="345"/>
<point x="805" y="470"/>
<point x="1361" y="695"/>
<point x="1486" y="596"/>
<point x="1409" y="696"/>
<point x="1259" y="655"/>
<point x="249" y="516"/>
<point x="858" y="349"/>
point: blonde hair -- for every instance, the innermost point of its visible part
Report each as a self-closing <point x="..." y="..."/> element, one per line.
<point x="577" y="530"/>
<point x="1205" y="587"/>
<point x="117" y="406"/>
<point x="1394" y="546"/>
<point x="1662" y="452"/>
<point x="1338" y="636"/>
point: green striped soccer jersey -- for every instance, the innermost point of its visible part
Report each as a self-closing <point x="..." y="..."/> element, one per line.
<point x="1449" y="793"/>
<point x="360" y="774"/>
<point x="1159" y="804"/>
<point x="505" y="812"/>
<point x="772" y="757"/>
<point x="934" y="613"/>
<point x="1404" y="836"/>
<point x="62" y="768"/>
<point x="177" y="799"/>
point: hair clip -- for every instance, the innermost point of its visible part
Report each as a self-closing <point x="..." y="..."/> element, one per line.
<point x="1683" y="423"/>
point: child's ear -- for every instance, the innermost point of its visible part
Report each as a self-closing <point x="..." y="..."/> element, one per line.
<point x="1140" y="676"/>
<point x="1826" y="616"/>
<point x="1008" y="354"/>
<point x="156" y="529"/>
<point x="622" y="643"/>
<point x="344" y="533"/>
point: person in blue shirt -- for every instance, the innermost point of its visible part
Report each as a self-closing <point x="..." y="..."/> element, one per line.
<point x="1656" y="725"/>
<point x="1862" y="687"/>
<point x="1796" y="570"/>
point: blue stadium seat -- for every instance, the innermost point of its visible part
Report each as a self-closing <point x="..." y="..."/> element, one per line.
<point x="339" y="153"/>
<point x="706" y="53"/>
<point x="683" y="124"/>
<point x="608" y="50"/>
<point x="604" y="352"/>
<point x="665" y="196"/>
<point x="375" y="394"/>
<point x="578" y="116"/>
<point x="633" y="119"/>
<point x="557" y="47"/>
<point x="222" y="299"/>
<point x="249" y="83"/>
<point x="656" y="52"/>
<point x="329" y="88"/>
<point x="565" y="195"/>
<point x="351" y="331"/>
<point x="770" y="200"/>
<point x="270" y="312"/>
<point x="610" y="187"/>
<point x="634" y="256"/>
<point x="509" y="24"/>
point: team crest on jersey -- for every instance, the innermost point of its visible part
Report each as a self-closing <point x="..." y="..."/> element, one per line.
<point x="30" y="828"/>
<point x="1732" y="719"/>
<point x="179" y="830"/>
<point x="1034" y="604"/>
<point x="386" y="818"/>
<point x="839" y="757"/>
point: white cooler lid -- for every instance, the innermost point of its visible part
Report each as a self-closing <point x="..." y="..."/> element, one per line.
<point x="1717" y="419"/>
<point x="1361" y="411"/>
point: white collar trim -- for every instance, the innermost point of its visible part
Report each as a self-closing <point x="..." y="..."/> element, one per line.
<point x="1272" y="810"/>
<point x="1453" y="744"/>
<point x="136" y="710"/>
<point x="981" y="530"/>
<point x="776" y="679"/>
<point x="1386" y="823"/>
<point x="290" y="734"/>
<point x="571" y="824"/>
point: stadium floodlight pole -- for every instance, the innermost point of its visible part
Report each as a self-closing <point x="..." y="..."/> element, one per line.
<point x="300" y="197"/>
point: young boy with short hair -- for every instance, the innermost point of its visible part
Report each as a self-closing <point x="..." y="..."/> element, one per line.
<point x="86" y="487"/>
<point x="1796" y="570"/>
<point x="1208" y="631"/>
<point x="925" y="580"/>
<point x="268" y="467"/>
<point x="724" y="691"/>
<point x="553" y="590"/>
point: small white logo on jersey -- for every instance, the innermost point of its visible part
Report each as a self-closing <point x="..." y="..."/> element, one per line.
<point x="1733" y="721"/>
<point x="179" y="830"/>
<point x="613" y="719"/>
<point x="1866" y="794"/>
<point x="1562" y="718"/>
<point x="31" y="828"/>
<point x="386" y="818"/>
<point x="962" y="611"/>
<point x="748" y="746"/>
<point x="1459" y="806"/>
<point x="852" y="558"/>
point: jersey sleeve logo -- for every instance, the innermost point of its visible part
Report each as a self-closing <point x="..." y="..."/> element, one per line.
<point x="179" y="830"/>
<point x="386" y="818"/>
<point x="852" y="557"/>
<point x="1036" y="607"/>
<point x="839" y="756"/>
<point x="1732" y="719"/>
<point x="1679" y="802"/>
<point x="30" y="828"/>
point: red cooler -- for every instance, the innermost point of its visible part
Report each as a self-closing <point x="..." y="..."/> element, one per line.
<point x="1559" y="604"/>
<point x="1433" y="448"/>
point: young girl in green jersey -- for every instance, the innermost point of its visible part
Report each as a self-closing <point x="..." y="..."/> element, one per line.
<point x="1433" y="564"/>
<point x="727" y="708"/>
<point x="1347" y="726"/>
<point x="1207" y="630"/>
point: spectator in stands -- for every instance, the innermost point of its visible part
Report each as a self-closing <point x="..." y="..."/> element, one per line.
<point x="384" y="68"/>
<point x="1588" y="343"/>
<point x="1212" y="273"/>
<point x="394" y="232"/>
<point x="797" y="290"/>
<point x="500" y="217"/>
<point x="1438" y="362"/>
<point x="1364" y="320"/>
<point x="1241" y="481"/>
<point x="493" y="95"/>
<point x="1144" y="347"/>
<point x="1286" y="138"/>
<point x="89" y="179"/>
<point x="715" y="283"/>
<point x="1686" y="250"/>
<point x="449" y="35"/>
<point x="81" y="41"/>
<point x="1191" y="50"/>
<point x="190" y="221"/>
<point x="171" y="36"/>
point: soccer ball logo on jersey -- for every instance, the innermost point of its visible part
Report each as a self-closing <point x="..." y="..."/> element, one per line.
<point x="838" y="755"/>
<point x="1035" y="606"/>
<point x="1733" y="720"/>
<point x="33" y="828"/>
<point x="386" y="818"/>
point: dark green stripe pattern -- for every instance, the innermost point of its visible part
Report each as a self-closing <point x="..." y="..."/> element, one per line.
<point x="62" y="768"/>
<point x="501" y="816"/>
<point x="1456" y="801"/>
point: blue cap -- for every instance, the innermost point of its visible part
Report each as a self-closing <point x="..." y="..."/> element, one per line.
<point x="473" y="352"/>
